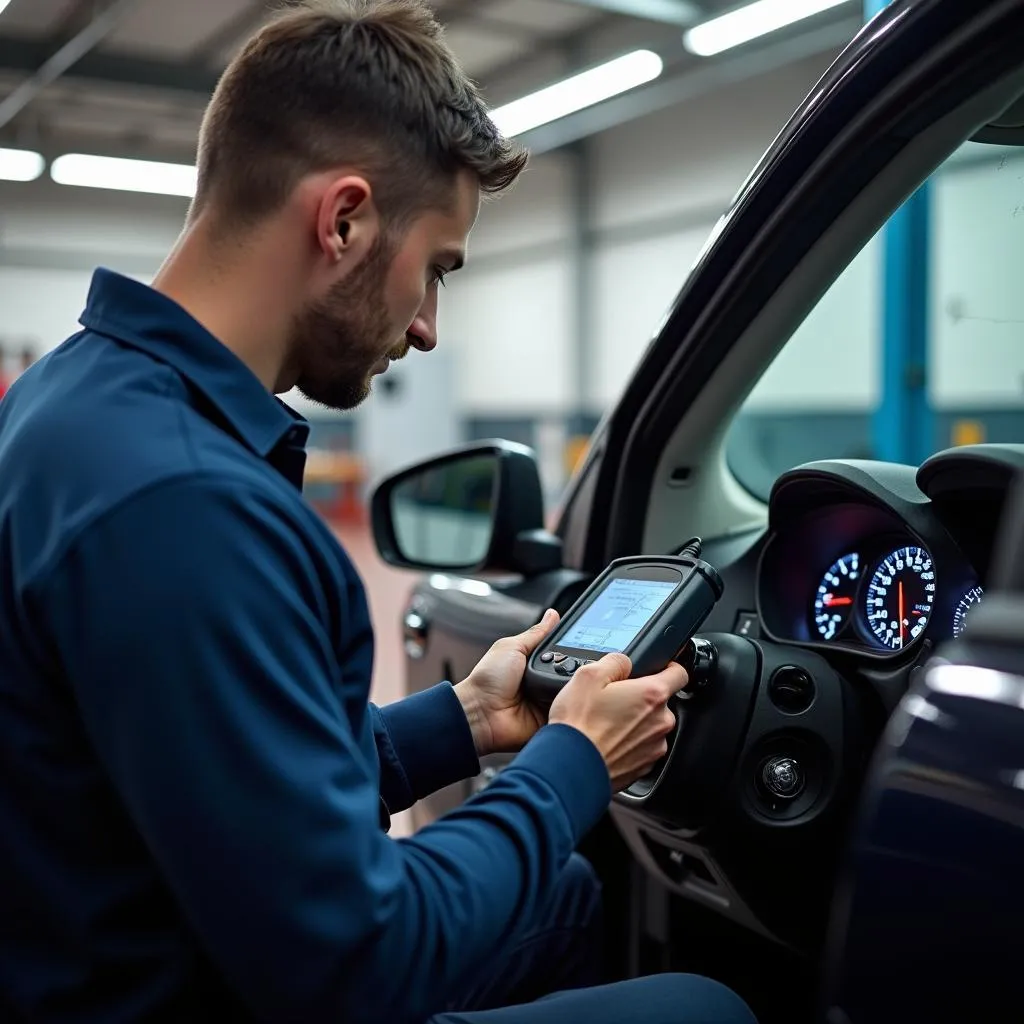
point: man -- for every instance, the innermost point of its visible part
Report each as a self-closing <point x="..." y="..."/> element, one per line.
<point x="191" y="780"/>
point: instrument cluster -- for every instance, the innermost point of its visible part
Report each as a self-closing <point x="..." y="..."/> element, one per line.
<point x="861" y="577"/>
<point x="885" y="597"/>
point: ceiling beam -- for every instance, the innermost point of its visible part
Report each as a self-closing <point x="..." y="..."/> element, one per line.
<point x="19" y="54"/>
<point x="247" y="20"/>
<point x="682" y="81"/>
<point x="60" y="57"/>
<point x="670" y="12"/>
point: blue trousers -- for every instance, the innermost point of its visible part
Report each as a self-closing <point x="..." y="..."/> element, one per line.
<point x="550" y="976"/>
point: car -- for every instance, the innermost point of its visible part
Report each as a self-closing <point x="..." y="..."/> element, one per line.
<point x="784" y="847"/>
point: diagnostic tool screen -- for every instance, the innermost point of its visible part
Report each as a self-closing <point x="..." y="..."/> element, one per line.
<point x="617" y="615"/>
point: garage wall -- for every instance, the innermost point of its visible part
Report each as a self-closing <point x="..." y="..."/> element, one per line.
<point x="657" y="187"/>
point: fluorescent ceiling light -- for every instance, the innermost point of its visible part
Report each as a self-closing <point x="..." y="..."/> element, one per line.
<point x="578" y="92"/>
<point x="20" y="164"/>
<point x="750" y="22"/>
<point x="124" y="175"/>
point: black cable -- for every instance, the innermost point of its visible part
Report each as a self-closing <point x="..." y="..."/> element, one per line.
<point x="691" y="549"/>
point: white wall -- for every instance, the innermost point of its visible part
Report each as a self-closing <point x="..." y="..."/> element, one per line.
<point x="976" y="329"/>
<point x="977" y="318"/>
<point x="51" y="238"/>
<point x="659" y="185"/>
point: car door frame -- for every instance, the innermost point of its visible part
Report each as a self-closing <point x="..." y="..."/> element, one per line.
<point x="855" y="123"/>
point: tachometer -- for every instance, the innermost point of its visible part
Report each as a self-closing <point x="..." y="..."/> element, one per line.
<point x="967" y="604"/>
<point x="834" y="600"/>
<point x="900" y="597"/>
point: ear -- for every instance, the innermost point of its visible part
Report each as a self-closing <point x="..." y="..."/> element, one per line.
<point x="348" y="223"/>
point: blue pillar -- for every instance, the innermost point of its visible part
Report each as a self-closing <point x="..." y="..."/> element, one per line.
<point x="903" y="428"/>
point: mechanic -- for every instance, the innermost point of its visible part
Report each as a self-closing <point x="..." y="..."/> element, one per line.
<point x="192" y="782"/>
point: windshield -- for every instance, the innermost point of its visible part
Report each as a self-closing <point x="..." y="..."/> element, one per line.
<point x="819" y="398"/>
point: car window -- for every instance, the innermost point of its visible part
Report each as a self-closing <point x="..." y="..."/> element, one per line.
<point x="818" y="397"/>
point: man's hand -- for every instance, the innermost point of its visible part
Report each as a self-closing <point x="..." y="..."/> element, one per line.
<point x="500" y="717"/>
<point x="628" y="720"/>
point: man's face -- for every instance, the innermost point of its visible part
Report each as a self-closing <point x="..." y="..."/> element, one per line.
<point x="384" y="306"/>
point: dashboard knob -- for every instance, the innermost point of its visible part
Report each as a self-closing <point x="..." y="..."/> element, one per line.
<point x="782" y="778"/>
<point x="700" y="659"/>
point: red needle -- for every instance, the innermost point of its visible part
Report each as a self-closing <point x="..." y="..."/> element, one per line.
<point x="831" y="600"/>
<point x="901" y="613"/>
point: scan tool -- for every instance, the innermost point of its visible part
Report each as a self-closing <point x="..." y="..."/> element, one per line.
<point x="645" y="608"/>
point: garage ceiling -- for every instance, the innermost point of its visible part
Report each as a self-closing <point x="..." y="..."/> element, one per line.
<point x="131" y="77"/>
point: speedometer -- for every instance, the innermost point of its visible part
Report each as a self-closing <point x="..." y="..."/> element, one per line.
<point x="900" y="597"/>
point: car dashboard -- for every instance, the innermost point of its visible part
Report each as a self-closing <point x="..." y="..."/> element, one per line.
<point x="870" y="564"/>
<point x="863" y="570"/>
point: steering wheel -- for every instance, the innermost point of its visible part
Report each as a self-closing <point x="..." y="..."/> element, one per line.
<point x="758" y="719"/>
<point x="755" y="791"/>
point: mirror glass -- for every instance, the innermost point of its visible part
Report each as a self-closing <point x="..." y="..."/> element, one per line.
<point x="444" y="516"/>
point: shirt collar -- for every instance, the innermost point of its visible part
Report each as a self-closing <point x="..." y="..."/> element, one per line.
<point x="142" y="317"/>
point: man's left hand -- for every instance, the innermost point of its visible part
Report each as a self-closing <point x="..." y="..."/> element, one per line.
<point x="501" y="718"/>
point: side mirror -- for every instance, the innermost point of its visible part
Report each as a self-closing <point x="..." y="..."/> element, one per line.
<point x="478" y="508"/>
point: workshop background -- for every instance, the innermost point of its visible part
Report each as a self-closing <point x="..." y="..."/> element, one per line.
<point x="571" y="274"/>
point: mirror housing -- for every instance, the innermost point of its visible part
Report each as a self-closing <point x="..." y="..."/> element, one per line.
<point x="477" y="508"/>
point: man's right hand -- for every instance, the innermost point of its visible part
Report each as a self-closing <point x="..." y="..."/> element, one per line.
<point x="628" y="720"/>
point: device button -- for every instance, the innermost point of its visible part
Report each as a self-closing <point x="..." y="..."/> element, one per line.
<point x="559" y="658"/>
<point x="547" y="657"/>
<point x="568" y="667"/>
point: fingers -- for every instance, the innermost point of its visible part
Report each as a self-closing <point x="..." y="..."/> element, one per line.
<point x="612" y="668"/>
<point x="529" y="640"/>
<point x="669" y="681"/>
<point x="640" y="764"/>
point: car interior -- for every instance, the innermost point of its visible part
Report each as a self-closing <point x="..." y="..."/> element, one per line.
<point x="839" y="585"/>
<point x="811" y="570"/>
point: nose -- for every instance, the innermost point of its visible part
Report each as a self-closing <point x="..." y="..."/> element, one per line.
<point x="422" y="333"/>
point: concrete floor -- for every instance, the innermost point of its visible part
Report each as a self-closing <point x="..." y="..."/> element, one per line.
<point x="388" y="590"/>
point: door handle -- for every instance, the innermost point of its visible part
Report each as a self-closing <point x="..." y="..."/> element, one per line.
<point x="415" y="629"/>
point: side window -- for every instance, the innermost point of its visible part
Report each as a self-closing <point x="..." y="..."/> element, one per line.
<point x="977" y="315"/>
<point x="818" y="397"/>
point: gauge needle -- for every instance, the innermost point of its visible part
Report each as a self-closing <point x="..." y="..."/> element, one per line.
<point x="831" y="600"/>
<point x="901" y="612"/>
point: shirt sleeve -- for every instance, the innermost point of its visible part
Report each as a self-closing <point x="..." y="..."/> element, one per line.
<point x="190" y="624"/>
<point x="424" y="743"/>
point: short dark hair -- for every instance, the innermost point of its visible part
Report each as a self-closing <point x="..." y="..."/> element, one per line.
<point x="370" y="83"/>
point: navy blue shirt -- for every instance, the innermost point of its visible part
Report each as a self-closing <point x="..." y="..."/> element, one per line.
<point x="191" y="775"/>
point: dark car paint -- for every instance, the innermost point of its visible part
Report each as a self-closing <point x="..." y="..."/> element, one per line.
<point x="852" y="124"/>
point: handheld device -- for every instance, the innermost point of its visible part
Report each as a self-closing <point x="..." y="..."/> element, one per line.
<point x="646" y="608"/>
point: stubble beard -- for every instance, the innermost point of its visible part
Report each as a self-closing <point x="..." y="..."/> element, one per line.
<point x="342" y="337"/>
